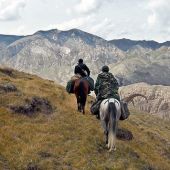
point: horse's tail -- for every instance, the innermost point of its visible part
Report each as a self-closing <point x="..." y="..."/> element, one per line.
<point x="82" y="94"/>
<point x="112" y="125"/>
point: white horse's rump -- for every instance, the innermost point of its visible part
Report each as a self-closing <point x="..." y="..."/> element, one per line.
<point x="110" y="111"/>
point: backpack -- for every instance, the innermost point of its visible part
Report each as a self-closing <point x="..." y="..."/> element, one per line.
<point x="124" y="111"/>
<point x="69" y="86"/>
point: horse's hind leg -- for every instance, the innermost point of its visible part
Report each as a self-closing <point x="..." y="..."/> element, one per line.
<point x="83" y="103"/>
<point x="82" y="108"/>
<point x="78" y="103"/>
<point x="79" y="107"/>
<point x="106" y="134"/>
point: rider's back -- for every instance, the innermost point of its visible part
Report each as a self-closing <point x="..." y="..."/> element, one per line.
<point x="106" y="86"/>
<point x="82" y="69"/>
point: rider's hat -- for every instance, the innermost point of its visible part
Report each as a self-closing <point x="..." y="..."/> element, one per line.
<point x="80" y="60"/>
<point x="105" y="69"/>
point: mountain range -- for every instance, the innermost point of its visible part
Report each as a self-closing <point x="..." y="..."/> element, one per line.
<point x="53" y="54"/>
<point x="126" y="44"/>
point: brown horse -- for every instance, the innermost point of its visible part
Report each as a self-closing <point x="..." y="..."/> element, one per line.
<point x="81" y="89"/>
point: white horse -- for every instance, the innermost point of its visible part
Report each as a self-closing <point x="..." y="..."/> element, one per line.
<point x="110" y="112"/>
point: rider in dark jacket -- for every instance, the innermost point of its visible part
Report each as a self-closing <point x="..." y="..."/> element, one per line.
<point x="81" y="69"/>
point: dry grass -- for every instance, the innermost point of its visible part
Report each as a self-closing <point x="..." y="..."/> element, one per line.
<point x="67" y="139"/>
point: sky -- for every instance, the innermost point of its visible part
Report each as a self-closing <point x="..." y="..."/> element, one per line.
<point x="109" y="19"/>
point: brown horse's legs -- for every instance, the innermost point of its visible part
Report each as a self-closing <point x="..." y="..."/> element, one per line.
<point x="81" y="88"/>
<point x="79" y="107"/>
<point x="83" y="108"/>
<point x="78" y="103"/>
<point x="84" y="103"/>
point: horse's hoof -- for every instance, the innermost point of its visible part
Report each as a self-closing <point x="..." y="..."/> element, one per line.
<point x="110" y="150"/>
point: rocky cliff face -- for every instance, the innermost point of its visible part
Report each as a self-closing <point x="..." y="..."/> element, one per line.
<point x="158" y="98"/>
<point x="53" y="54"/>
<point x="144" y="65"/>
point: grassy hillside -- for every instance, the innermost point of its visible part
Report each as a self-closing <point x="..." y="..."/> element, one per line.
<point x="66" y="139"/>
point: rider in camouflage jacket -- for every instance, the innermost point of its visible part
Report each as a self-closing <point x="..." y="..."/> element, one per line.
<point x="106" y="86"/>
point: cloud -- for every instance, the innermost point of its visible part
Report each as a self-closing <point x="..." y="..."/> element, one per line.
<point x="160" y="13"/>
<point x="10" y="9"/>
<point x="157" y="3"/>
<point x="152" y="19"/>
<point x="158" y="20"/>
<point x="89" y="6"/>
<point x="86" y="6"/>
<point x="20" y="30"/>
<point x="103" y="27"/>
<point x="75" y="23"/>
<point x="147" y="19"/>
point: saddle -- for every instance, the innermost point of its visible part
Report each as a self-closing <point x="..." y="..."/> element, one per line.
<point x="75" y="77"/>
<point x="70" y="83"/>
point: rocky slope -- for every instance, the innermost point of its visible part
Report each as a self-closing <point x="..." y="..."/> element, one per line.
<point x="158" y="98"/>
<point x="53" y="54"/>
<point x="62" y="138"/>
<point x="144" y="65"/>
